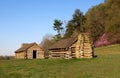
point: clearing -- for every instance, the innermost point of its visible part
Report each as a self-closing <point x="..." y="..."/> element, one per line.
<point x="105" y="65"/>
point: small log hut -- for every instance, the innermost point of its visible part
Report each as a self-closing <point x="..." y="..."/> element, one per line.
<point x="29" y="51"/>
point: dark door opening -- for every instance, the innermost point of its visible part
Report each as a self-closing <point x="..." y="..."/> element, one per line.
<point x="34" y="54"/>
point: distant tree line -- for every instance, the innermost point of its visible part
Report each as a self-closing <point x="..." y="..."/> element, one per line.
<point x="100" y="20"/>
<point x="7" y="57"/>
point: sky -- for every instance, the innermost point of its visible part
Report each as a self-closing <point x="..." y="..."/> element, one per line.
<point x="27" y="21"/>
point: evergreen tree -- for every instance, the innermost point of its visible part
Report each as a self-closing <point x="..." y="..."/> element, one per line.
<point x="58" y="27"/>
<point x="75" y="23"/>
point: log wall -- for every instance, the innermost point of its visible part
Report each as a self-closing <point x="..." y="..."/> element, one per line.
<point x="20" y="55"/>
<point x="39" y="52"/>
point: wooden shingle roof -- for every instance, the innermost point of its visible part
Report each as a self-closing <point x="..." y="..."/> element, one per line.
<point x="24" y="47"/>
<point x="64" y="43"/>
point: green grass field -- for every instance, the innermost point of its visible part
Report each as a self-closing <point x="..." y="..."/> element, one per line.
<point x="105" y="65"/>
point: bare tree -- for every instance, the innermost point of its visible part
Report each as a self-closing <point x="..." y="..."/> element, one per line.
<point x="47" y="42"/>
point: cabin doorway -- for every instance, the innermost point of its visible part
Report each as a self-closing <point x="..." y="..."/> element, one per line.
<point x="34" y="54"/>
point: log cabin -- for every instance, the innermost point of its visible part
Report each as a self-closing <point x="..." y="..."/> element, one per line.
<point x="74" y="47"/>
<point x="29" y="51"/>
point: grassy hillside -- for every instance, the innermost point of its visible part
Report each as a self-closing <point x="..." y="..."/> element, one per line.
<point x="105" y="65"/>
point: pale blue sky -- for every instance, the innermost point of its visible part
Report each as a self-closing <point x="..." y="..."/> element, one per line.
<point x="26" y="21"/>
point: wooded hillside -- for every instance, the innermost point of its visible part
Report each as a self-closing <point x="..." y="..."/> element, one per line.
<point x="99" y="20"/>
<point x="104" y="19"/>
